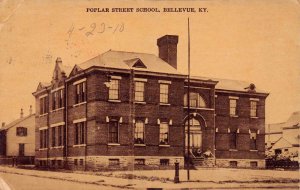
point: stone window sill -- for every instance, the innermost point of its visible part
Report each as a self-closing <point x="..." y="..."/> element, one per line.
<point x="164" y="104"/>
<point x="139" y="102"/>
<point x="254" y="117"/>
<point x="56" y="147"/>
<point x="79" y="145"/>
<point x="139" y="145"/>
<point x="43" y="148"/>
<point x="44" y="114"/>
<point x="113" y="144"/>
<point x="198" y="108"/>
<point x="78" y="104"/>
<point x="57" y="109"/>
<point x="164" y="145"/>
<point x="233" y="150"/>
<point x="114" y="101"/>
<point x="234" y="116"/>
<point x="253" y="150"/>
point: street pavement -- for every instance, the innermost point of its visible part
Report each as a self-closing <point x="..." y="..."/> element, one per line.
<point x="22" y="179"/>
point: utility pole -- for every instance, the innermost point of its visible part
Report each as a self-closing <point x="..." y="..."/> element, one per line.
<point x="188" y="101"/>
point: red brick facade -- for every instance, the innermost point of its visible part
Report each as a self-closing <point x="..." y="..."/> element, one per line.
<point x="98" y="132"/>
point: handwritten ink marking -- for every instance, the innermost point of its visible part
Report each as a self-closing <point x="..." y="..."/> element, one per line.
<point x="81" y="28"/>
<point x="70" y="31"/>
<point x="121" y="28"/>
<point x="102" y="28"/>
<point x="93" y="27"/>
<point x="10" y="60"/>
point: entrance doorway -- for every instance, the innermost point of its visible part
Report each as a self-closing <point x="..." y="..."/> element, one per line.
<point x="195" y="137"/>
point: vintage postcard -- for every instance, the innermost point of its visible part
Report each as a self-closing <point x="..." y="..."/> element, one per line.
<point x="134" y="94"/>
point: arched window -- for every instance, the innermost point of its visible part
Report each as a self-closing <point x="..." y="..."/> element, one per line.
<point x="196" y="100"/>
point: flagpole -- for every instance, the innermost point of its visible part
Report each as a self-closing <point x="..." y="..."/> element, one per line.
<point x="188" y="101"/>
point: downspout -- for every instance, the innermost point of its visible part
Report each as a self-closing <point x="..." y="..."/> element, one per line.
<point x="48" y="127"/>
<point x="215" y="141"/>
<point x="66" y="126"/>
<point x="85" y="127"/>
<point x="132" y="113"/>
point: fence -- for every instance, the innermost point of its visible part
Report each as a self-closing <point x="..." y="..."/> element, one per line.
<point x="28" y="160"/>
<point x="285" y="164"/>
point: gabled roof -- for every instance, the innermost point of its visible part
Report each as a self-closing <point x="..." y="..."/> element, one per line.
<point x="292" y="122"/>
<point x="15" y="122"/>
<point x="43" y="85"/>
<point x="127" y="60"/>
<point x="228" y="84"/>
<point x="284" y="143"/>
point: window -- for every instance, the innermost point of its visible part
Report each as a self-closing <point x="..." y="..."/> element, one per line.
<point x="60" y="135"/>
<point x="139" y="161"/>
<point x="139" y="91"/>
<point x="232" y="107"/>
<point x="139" y="132"/>
<point x="164" y="93"/>
<point x="79" y="133"/>
<point x="21" y="131"/>
<point x="164" y="162"/>
<point x="81" y="162"/>
<point x="196" y="100"/>
<point x="21" y="149"/>
<point x="61" y="98"/>
<point x="164" y="133"/>
<point x="54" y="97"/>
<point x="113" y="136"/>
<point x="80" y="93"/>
<point x="233" y="164"/>
<point x="44" y="138"/>
<point x="59" y="162"/>
<point x="113" y="162"/>
<point x="43" y="105"/>
<point x="233" y="140"/>
<point x="253" y="164"/>
<point x="253" y="108"/>
<point x="57" y="99"/>
<point x="53" y="137"/>
<point x="114" y="89"/>
<point x="53" y="162"/>
<point x="75" y="162"/>
<point x="253" y="141"/>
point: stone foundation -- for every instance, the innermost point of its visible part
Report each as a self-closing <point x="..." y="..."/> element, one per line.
<point x="100" y="163"/>
<point x="240" y="163"/>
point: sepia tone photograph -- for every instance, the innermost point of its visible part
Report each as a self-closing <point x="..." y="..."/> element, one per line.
<point x="149" y="94"/>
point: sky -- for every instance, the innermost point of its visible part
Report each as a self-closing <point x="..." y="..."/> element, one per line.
<point x="254" y="41"/>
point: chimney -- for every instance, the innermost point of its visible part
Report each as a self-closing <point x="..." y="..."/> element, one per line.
<point x="167" y="49"/>
<point x="30" y="110"/>
<point x="22" y="114"/>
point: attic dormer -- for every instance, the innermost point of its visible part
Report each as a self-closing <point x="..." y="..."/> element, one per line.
<point x="135" y="63"/>
<point x="76" y="69"/>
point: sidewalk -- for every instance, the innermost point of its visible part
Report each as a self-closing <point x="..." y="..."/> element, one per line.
<point x="203" y="178"/>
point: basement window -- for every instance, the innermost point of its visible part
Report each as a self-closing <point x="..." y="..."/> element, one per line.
<point x="75" y="162"/>
<point x="113" y="162"/>
<point x="233" y="164"/>
<point x="139" y="162"/>
<point x="81" y="162"/>
<point x="164" y="162"/>
<point x="253" y="164"/>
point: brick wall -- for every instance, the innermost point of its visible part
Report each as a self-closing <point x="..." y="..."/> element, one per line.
<point x="243" y="122"/>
